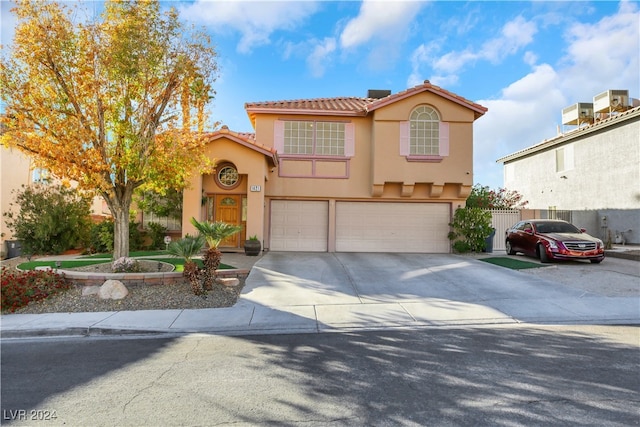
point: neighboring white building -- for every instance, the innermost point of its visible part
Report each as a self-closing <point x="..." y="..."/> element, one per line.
<point x="594" y="167"/>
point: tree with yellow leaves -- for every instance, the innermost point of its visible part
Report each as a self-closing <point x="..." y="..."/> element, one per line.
<point x="107" y="102"/>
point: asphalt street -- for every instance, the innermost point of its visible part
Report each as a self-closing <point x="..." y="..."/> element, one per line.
<point x="494" y="376"/>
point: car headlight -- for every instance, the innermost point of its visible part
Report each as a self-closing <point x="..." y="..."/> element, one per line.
<point x="599" y="243"/>
<point x="553" y="245"/>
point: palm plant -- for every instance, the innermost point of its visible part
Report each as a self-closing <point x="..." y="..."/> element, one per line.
<point x="187" y="248"/>
<point x="214" y="233"/>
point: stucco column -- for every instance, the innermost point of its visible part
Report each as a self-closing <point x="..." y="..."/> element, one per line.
<point x="255" y="203"/>
<point x="191" y="204"/>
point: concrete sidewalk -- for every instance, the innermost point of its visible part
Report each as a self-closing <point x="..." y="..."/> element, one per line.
<point x="324" y="292"/>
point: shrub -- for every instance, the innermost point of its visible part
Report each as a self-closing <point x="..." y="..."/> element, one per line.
<point x="470" y="228"/>
<point x="102" y="237"/>
<point x="51" y="218"/>
<point x="157" y="233"/>
<point x="19" y="288"/>
<point x="484" y="197"/>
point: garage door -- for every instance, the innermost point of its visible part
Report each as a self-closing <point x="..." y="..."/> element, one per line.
<point x="299" y="225"/>
<point x="392" y="227"/>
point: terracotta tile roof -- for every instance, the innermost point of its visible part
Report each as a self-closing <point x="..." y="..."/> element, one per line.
<point x="244" y="138"/>
<point x="428" y="87"/>
<point x="351" y="106"/>
<point x="340" y="104"/>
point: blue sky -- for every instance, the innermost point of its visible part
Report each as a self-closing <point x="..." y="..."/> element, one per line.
<point x="524" y="61"/>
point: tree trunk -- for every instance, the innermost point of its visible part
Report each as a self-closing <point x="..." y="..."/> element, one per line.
<point x="119" y="202"/>
<point x="121" y="233"/>
<point x="211" y="263"/>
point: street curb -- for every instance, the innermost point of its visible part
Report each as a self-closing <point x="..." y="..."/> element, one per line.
<point x="623" y="255"/>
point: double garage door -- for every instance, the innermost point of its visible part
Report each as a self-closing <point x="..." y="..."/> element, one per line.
<point x="360" y="226"/>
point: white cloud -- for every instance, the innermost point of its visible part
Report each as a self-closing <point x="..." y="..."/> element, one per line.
<point x="600" y="56"/>
<point x="452" y="62"/>
<point x="420" y="55"/>
<point x="530" y="58"/>
<point x="526" y="113"/>
<point x="379" y="19"/>
<point x="255" y="20"/>
<point x="514" y="35"/>
<point x="444" y="81"/>
<point x="320" y="56"/>
<point x="604" y="55"/>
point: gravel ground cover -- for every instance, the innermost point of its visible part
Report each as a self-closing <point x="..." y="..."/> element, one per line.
<point x="141" y="297"/>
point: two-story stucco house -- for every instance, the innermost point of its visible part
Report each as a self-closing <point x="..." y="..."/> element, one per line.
<point x="593" y="168"/>
<point x="377" y="174"/>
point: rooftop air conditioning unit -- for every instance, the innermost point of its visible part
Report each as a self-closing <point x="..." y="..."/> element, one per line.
<point x="578" y="114"/>
<point x="611" y="100"/>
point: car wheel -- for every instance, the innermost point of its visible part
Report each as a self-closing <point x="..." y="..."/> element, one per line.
<point x="544" y="258"/>
<point x="509" y="249"/>
<point x="595" y="261"/>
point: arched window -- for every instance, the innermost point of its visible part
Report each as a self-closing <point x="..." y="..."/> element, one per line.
<point x="424" y="134"/>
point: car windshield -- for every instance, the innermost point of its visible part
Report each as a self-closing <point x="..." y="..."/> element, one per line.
<point x="556" y="227"/>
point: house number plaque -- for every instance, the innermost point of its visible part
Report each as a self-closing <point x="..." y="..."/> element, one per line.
<point x="256" y="188"/>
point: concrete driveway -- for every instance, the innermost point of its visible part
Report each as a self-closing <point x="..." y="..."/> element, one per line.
<point x="356" y="289"/>
<point x="327" y="292"/>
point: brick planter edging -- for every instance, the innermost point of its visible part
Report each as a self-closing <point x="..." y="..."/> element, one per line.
<point x="83" y="278"/>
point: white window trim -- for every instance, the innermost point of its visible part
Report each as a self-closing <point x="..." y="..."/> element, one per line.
<point x="405" y="144"/>
<point x="349" y="141"/>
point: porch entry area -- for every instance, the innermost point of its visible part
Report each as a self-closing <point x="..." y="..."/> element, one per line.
<point x="359" y="226"/>
<point x="232" y="209"/>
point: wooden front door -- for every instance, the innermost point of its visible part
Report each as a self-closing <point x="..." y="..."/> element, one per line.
<point x="228" y="208"/>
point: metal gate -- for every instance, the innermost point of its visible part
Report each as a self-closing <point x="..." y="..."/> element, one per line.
<point x="501" y="219"/>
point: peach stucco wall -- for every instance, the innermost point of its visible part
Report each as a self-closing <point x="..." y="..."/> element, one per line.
<point x="16" y="171"/>
<point x="377" y="160"/>
<point x="253" y="168"/>
<point x="454" y="170"/>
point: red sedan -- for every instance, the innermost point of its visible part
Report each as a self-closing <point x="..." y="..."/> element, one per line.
<point x="550" y="239"/>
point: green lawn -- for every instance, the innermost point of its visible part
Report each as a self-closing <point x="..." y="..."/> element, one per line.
<point x="177" y="262"/>
<point x="31" y="265"/>
<point x="512" y="263"/>
<point x="135" y="254"/>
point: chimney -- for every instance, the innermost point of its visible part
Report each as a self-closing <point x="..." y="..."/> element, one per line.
<point x="378" y="93"/>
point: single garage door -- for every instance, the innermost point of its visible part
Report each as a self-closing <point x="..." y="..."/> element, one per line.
<point x="299" y="225"/>
<point x="392" y="227"/>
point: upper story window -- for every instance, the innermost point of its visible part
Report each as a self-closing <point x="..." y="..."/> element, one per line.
<point x="40" y="176"/>
<point x="424" y="137"/>
<point x="314" y="138"/>
<point x="564" y="158"/>
<point x="424" y="132"/>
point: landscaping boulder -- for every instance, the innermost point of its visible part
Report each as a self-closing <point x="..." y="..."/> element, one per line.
<point x="113" y="289"/>
<point x="228" y="281"/>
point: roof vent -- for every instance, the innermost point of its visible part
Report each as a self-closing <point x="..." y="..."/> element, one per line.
<point x="377" y="93"/>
